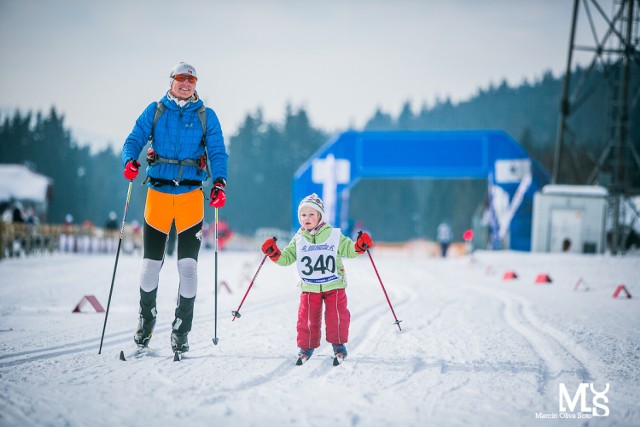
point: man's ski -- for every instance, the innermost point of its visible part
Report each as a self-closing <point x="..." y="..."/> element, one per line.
<point x="177" y="356"/>
<point x="139" y="352"/>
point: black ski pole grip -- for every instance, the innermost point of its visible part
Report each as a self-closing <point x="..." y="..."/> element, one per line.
<point x="275" y="239"/>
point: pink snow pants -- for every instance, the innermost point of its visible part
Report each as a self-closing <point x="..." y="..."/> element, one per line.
<point x="336" y="318"/>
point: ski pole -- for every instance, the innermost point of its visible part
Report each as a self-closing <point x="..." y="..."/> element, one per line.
<point x="236" y="313"/>
<point x="215" y="311"/>
<point x="115" y="266"/>
<point x="397" y="322"/>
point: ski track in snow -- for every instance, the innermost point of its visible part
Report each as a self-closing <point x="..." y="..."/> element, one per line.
<point x="556" y="361"/>
<point x="473" y="350"/>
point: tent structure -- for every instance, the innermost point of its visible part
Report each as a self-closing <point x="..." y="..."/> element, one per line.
<point x="493" y="155"/>
<point x="18" y="183"/>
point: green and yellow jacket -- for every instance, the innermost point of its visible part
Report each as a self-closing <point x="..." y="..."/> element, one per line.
<point x="346" y="249"/>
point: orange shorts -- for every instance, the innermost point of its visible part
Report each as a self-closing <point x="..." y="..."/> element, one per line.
<point x="162" y="208"/>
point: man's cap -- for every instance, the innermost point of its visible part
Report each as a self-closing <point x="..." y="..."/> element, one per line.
<point x="183" y="68"/>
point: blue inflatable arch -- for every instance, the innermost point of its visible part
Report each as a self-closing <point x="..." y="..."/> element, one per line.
<point x="492" y="155"/>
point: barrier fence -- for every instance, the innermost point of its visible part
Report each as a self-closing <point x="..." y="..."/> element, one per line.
<point x="22" y="240"/>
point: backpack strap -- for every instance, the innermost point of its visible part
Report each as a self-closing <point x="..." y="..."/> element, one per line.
<point x="202" y="115"/>
<point x="160" y="107"/>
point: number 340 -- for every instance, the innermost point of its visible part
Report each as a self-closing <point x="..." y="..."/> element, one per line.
<point x="321" y="265"/>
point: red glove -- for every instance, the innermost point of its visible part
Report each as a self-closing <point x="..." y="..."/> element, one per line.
<point x="363" y="243"/>
<point x="131" y="169"/>
<point x="270" y="248"/>
<point x="218" y="195"/>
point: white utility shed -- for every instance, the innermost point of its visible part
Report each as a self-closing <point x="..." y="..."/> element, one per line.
<point x="569" y="218"/>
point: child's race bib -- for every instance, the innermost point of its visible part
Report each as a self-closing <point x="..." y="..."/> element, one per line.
<point x="316" y="262"/>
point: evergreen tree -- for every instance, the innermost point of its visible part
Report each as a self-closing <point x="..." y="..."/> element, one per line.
<point x="379" y="121"/>
<point x="262" y="160"/>
<point x="405" y="118"/>
<point x="46" y="146"/>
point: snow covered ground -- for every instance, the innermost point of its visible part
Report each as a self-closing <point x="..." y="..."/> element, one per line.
<point x="474" y="350"/>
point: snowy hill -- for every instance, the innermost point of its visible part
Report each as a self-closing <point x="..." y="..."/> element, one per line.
<point x="474" y="350"/>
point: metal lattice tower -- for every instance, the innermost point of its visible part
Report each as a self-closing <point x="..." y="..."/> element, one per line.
<point x="615" y="52"/>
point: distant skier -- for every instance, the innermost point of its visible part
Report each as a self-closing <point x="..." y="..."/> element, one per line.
<point x="177" y="167"/>
<point x="317" y="249"/>
<point x="444" y="237"/>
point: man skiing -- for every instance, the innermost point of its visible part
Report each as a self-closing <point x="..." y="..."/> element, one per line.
<point x="183" y="134"/>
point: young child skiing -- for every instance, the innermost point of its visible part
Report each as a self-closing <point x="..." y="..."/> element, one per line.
<point x="317" y="249"/>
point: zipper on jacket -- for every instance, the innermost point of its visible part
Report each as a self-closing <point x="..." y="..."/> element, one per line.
<point x="313" y="240"/>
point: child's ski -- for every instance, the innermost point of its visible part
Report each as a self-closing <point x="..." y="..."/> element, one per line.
<point x="302" y="359"/>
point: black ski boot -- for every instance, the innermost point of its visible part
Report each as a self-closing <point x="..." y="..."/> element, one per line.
<point x="182" y="325"/>
<point x="179" y="342"/>
<point x="145" y="330"/>
<point x="147" y="320"/>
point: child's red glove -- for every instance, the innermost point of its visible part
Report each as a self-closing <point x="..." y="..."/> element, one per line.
<point x="269" y="247"/>
<point x="363" y="243"/>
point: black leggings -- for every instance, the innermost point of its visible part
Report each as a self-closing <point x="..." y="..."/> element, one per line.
<point x="155" y="242"/>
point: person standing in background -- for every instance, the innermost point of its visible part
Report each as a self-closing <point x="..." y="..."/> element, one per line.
<point x="444" y="237"/>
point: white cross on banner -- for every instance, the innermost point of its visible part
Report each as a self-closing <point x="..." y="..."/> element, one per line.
<point x="330" y="172"/>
